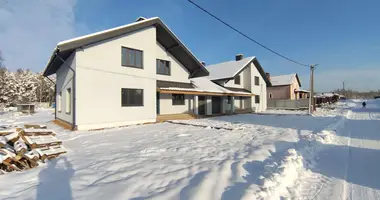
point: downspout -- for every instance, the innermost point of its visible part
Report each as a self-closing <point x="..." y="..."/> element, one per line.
<point x="74" y="93"/>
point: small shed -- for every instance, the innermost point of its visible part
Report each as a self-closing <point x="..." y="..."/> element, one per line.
<point x="25" y="108"/>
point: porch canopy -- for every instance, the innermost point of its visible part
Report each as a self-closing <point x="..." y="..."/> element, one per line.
<point x="199" y="86"/>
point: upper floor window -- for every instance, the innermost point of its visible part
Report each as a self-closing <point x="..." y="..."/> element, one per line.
<point x="131" y="57"/>
<point x="237" y="80"/>
<point x="257" y="80"/>
<point x="163" y="67"/>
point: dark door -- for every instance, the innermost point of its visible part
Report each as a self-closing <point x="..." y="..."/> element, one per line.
<point x="158" y="103"/>
<point x="201" y="105"/>
<point x="216" y="105"/>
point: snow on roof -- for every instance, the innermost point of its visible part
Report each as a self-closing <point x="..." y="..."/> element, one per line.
<point x="302" y="90"/>
<point x="227" y="69"/>
<point x="282" y="80"/>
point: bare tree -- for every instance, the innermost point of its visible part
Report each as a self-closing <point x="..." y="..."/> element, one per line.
<point x="1" y="60"/>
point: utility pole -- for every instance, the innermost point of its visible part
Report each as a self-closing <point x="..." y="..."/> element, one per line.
<point x="311" y="98"/>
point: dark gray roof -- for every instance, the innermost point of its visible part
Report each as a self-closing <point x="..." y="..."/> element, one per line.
<point x="163" y="35"/>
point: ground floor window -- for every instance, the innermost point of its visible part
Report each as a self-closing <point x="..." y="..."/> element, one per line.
<point x="68" y="100"/>
<point x="257" y="99"/>
<point x="229" y="100"/>
<point x="178" y="99"/>
<point x="270" y="95"/>
<point x="132" y="97"/>
<point x="59" y="102"/>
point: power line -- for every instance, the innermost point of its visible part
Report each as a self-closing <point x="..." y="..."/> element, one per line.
<point x="246" y="36"/>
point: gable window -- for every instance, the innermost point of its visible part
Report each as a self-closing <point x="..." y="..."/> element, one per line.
<point x="178" y="99"/>
<point x="132" y="97"/>
<point x="257" y="80"/>
<point x="68" y="100"/>
<point x="163" y="67"/>
<point x="237" y="80"/>
<point x="131" y="57"/>
<point x="59" y="102"/>
<point x="257" y="99"/>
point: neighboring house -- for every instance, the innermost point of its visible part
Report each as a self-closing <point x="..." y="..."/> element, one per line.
<point x="286" y="87"/>
<point x="242" y="75"/>
<point x="135" y="74"/>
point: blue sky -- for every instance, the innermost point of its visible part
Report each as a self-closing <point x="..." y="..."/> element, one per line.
<point x="341" y="35"/>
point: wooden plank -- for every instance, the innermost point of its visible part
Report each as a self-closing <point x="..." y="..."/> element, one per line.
<point x="36" y="126"/>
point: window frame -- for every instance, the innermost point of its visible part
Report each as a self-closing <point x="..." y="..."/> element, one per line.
<point x="237" y="79"/>
<point x="270" y="95"/>
<point x="174" y="101"/>
<point x="132" y="105"/>
<point x="257" y="81"/>
<point x="128" y="65"/>
<point x="169" y="63"/>
<point x="68" y="101"/>
<point x="257" y="100"/>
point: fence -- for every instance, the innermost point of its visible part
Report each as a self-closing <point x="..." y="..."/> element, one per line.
<point x="288" y="104"/>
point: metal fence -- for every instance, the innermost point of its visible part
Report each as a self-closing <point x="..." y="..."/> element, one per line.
<point x="288" y="104"/>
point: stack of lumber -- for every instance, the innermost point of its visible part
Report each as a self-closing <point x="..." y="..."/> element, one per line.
<point x="23" y="148"/>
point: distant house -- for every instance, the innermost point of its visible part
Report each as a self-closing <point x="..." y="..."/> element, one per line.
<point x="140" y="73"/>
<point x="286" y="87"/>
<point x="242" y="75"/>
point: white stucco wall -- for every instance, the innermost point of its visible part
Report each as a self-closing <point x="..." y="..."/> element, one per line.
<point x="261" y="90"/>
<point x="64" y="81"/>
<point x="167" y="107"/>
<point x="100" y="78"/>
<point x="178" y="73"/>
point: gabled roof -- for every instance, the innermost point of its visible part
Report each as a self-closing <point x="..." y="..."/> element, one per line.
<point x="284" y="79"/>
<point x="230" y="69"/>
<point x="163" y="35"/>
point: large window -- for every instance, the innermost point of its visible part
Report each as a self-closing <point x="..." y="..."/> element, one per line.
<point x="68" y="100"/>
<point x="131" y="57"/>
<point x="257" y="99"/>
<point x="132" y="97"/>
<point x="59" y="102"/>
<point x="257" y="80"/>
<point x="237" y="80"/>
<point x="229" y="100"/>
<point x="163" y="67"/>
<point x="178" y="99"/>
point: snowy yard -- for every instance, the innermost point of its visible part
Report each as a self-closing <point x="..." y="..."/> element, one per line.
<point x="334" y="154"/>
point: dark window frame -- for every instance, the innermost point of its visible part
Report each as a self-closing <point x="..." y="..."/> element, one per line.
<point x="126" y="104"/>
<point x="178" y="101"/>
<point x="257" y="80"/>
<point x="237" y="80"/>
<point x="257" y="98"/>
<point x="68" y="91"/>
<point x="169" y="63"/>
<point x="134" y="65"/>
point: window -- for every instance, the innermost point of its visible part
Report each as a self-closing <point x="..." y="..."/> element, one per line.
<point x="229" y="100"/>
<point x="131" y="57"/>
<point x="237" y="80"/>
<point x="257" y="80"/>
<point x="132" y="97"/>
<point x="257" y="99"/>
<point x="163" y="67"/>
<point x="68" y="100"/>
<point x="270" y="95"/>
<point x="59" y="102"/>
<point x="178" y="99"/>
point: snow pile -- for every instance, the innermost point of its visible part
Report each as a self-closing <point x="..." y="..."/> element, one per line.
<point x="279" y="176"/>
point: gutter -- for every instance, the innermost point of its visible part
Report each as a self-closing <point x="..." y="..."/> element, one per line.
<point x="74" y="92"/>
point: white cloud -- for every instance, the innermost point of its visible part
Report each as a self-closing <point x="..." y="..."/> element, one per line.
<point x="361" y="78"/>
<point x="30" y="29"/>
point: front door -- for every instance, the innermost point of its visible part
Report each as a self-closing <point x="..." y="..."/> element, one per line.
<point x="201" y="105"/>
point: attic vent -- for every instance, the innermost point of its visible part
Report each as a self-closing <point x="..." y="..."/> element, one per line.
<point x="239" y="57"/>
<point x="140" y="19"/>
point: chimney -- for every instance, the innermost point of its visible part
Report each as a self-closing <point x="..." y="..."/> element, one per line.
<point x="203" y="63"/>
<point x="239" y="57"/>
<point x="140" y="19"/>
<point x="268" y="75"/>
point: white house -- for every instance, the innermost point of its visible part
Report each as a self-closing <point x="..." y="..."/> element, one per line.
<point x="244" y="75"/>
<point x="133" y="74"/>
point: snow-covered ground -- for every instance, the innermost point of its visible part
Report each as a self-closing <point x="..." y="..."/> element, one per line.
<point x="333" y="154"/>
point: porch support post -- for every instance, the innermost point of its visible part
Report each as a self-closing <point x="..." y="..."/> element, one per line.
<point x="233" y="104"/>
<point x="195" y="106"/>
<point x="224" y="104"/>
